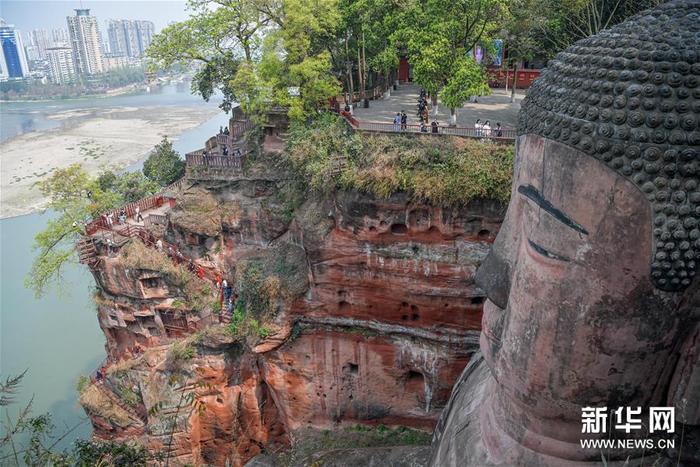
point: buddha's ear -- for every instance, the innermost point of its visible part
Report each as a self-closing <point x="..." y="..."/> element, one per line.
<point x="684" y="390"/>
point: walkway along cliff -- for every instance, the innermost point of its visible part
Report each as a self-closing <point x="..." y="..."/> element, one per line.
<point x="343" y="308"/>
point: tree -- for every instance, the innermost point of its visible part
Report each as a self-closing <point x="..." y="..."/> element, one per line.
<point x="438" y="35"/>
<point x="164" y="165"/>
<point x="254" y="51"/>
<point x="76" y="198"/>
<point x="32" y="439"/>
<point x="467" y="79"/>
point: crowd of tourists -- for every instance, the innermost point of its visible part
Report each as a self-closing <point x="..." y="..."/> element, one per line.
<point x="401" y="118"/>
<point x="484" y="130"/>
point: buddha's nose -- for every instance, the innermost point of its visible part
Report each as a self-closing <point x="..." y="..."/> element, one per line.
<point x="493" y="277"/>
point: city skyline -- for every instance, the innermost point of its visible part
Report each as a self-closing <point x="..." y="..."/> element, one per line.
<point x="28" y="15"/>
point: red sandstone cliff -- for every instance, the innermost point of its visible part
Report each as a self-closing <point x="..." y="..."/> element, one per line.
<point x="370" y="314"/>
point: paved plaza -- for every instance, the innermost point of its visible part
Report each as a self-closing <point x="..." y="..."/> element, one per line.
<point x="496" y="108"/>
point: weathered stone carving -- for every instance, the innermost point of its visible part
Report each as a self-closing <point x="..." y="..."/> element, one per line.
<point x="630" y="97"/>
<point x="605" y="185"/>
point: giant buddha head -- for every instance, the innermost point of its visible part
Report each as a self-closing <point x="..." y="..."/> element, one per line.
<point x="592" y="282"/>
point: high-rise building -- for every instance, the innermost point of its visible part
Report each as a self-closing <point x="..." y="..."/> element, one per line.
<point x="41" y="39"/>
<point x="33" y="53"/>
<point x="61" y="66"/>
<point x="116" y="37"/>
<point x="85" y="41"/>
<point x="13" y="61"/>
<point x="59" y="36"/>
<point x="129" y="38"/>
<point x="145" y="31"/>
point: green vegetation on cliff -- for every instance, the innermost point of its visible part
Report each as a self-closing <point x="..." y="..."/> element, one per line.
<point x="443" y="171"/>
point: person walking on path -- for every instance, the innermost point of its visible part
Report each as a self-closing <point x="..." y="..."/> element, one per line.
<point x="397" y="122"/>
<point x="404" y="120"/>
<point x="499" y="130"/>
<point x="478" y="127"/>
<point x="137" y="214"/>
<point x="434" y="126"/>
<point x="159" y="245"/>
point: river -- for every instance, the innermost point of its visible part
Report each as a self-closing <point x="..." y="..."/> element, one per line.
<point x="57" y="338"/>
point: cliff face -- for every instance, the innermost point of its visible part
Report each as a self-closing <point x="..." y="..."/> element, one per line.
<point x="351" y="310"/>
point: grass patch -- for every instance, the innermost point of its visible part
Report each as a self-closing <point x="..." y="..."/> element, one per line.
<point x="179" y="355"/>
<point x="444" y="171"/>
<point x="198" y="211"/>
<point x="96" y="402"/>
<point x="197" y="294"/>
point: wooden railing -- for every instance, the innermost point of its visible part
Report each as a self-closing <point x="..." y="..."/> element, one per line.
<point x="200" y="160"/>
<point x="239" y="128"/>
<point x="373" y="94"/>
<point x="144" y="204"/>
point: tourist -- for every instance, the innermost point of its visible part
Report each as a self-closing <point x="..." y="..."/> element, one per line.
<point x="122" y="216"/>
<point x="486" y="129"/>
<point x="404" y="120"/>
<point x="423" y="127"/>
<point x="110" y="220"/>
<point x="159" y="245"/>
<point x="226" y="132"/>
<point x="224" y="150"/>
<point x="434" y="126"/>
<point x="137" y="214"/>
<point x="425" y="114"/>
<point x="498" y="130"/>
<point x="477" y="128"/>
<point x="227" y="291"/>
<point x="397" y="122"/>
<point x="110" y="245"/>
<point x="200" y="272"/>
<point x="221" y="130"/>
<point x="180" y="257"/>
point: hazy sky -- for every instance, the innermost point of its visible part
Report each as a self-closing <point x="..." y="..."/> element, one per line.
<point x="43" y="14"/>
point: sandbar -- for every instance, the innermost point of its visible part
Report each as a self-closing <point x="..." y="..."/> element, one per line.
<point x="94" y="138"/>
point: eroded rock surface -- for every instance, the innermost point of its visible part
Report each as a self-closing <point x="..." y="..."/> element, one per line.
<point x="371" y="314"/>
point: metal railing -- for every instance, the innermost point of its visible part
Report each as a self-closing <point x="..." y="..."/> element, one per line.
<point x="502" y="134"/>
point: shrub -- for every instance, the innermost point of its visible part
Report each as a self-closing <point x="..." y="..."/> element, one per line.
<point x="82" y="383"/>
<point x="179" y="354"/>
<point x="445" y="171"/>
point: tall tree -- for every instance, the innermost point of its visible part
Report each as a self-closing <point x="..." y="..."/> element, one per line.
<point x="467" y="79"/>
<point x="164" y="165"/>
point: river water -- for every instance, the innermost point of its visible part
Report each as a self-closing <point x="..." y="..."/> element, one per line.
<point x="57" y="338"/>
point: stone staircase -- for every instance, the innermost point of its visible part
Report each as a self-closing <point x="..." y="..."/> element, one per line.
<point x="87" y="252"/>
<point x="141" y="418"/>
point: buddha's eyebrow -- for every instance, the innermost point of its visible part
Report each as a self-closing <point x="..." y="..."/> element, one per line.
<point x="532" y="193"/>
